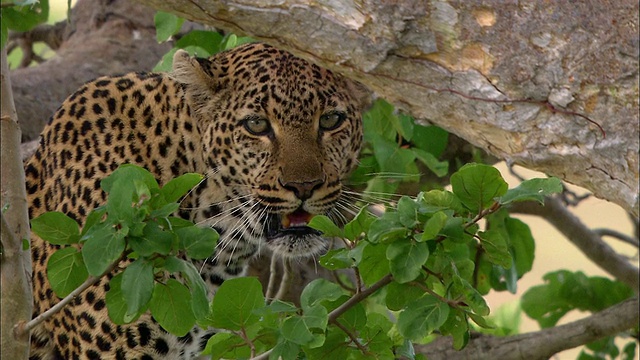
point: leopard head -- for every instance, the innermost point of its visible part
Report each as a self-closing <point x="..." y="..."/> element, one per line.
<point x="279" y="135"/>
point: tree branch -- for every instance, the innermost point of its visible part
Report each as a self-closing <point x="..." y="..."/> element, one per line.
<point x="540" y="344"/>
<point x="359" y="297"/>
<point x="16" y="294"/>
<point x="618" y="235"/>
<point x="91" y="280"/>
<point x="478" y="72"/>
<point x="583" y="238"/>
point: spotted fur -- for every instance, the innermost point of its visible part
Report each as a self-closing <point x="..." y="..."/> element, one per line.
<point x="260" y="186"/>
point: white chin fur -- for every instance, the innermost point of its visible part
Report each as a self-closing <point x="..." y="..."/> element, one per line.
<point x="298" y="246"/>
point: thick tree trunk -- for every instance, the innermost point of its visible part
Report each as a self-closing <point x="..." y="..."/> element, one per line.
<point x="526" y="81"/>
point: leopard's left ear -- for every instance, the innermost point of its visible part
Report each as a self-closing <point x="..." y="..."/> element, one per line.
<point x="361" y="94"/>
<point x="196" y="73"/>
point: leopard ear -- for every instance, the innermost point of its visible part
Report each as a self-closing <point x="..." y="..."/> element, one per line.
<point x="361" y="93"/>
<point x="196" y="73"/>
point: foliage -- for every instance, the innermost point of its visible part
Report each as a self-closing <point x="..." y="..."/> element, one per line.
<point x="135" y="226"/>
<point x="423" y="266"/>
<point x="395" y="148"/>
<point x="23" y="16"/>
<point x="199" y="43"/>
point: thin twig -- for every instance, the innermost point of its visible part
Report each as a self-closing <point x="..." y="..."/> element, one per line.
<point x="359" y="297"/>
<point x="263" y="356"/>
<point x="91" y="280"/>
<point x="353" y="338"/>
<point x="585" y="239"/>
<point x="617" y="235"/>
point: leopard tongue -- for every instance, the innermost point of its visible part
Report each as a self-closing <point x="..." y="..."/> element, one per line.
<point x="296" y="219"/>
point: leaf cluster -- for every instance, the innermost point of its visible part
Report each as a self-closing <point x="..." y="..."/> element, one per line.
<point x="136" y="226"/>
<point x="394" y="147"/>
<point x="201" y="43"/>
<point x="431" y="246"/>
<point x="23" y="15"/>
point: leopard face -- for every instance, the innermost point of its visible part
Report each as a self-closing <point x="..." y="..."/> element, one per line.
<point x="274" y="136"/>
<point x="279" y="144"/>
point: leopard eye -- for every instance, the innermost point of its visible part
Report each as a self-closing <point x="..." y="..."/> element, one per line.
<point x="256" y="125"/>
<point x="331" y="120"/>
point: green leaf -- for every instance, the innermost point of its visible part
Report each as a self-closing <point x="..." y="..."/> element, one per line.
<point x="116" y="304"/>
<point x="94" y="218"/>
<point x="180" y="186"/>
<point x="336" y="259"/>
<point x="421" y="317"/>
<point x="438" y="200"/>
<point x="164" y="211"/>
<point x="360" y="224"/>
<point x="334" y="347"/>
<point x="285" y="350"/>
<point x="25" y="18"/>
<point x="407" y="212"/>
<point x="457" y="326"/>
<point x="399" y="295"/>
<point x="121" y="185"/>
<point x="104" y="245"/>
<point x="439" y="168"/>
<point x="318" y="291"/>
<point x="235" y="301"/>
<point x="377" y="122"/>
<point x="405" y="126"/>
<point x="355" y="318"/>
<point x="473" y="298"/>
<point x="56" y="228"/>
<point x="170" y="305"/>
<point x="66" y="271"/>
<point x="495" y="247"/>
<point x="316" y="317"/>
<point x="200" y="303"/>
<point x="431" y="139"/>
<point x="154" y="240"/>
<point x="199" y="243"/>
<point x="394" y="160"/>
<point x="166" y="25"/>
<point x="433" y="226"/>
<point x="137" y="286"/>
<point x="374" y="264"/>
<point x="324" y="224"/>
<point x="532" y="190"/>
<point x="386" y="228"/>
<point x="523" y="245"/>
<point x="211" y="41"/>
<point x="406" y="259"/>
<point x="295" y="330"/>
<point x="227" y="346"/>
<point x="477" y="185"/>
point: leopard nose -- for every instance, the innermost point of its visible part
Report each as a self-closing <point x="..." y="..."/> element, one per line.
<point x="302" y="189"/>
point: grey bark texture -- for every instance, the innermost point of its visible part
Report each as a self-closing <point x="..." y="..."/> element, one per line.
<point x="524" y="80"/>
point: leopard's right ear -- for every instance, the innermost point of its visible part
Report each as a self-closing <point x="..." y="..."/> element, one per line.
<point x="196" y="73"/>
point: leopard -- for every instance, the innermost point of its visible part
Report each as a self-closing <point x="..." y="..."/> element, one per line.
<point x="274" y="135"/>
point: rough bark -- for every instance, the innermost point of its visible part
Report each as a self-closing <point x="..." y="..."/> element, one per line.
<point x="103" y="38"/>
<point x="539" y="345"/>
<point x="16" y="300"/>
<point x="509" y="77"/>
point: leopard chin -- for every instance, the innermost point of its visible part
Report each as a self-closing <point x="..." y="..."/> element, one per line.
<point x="289" y="236"/>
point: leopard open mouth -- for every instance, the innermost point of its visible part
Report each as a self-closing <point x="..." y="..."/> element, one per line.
<point x="293" y="225"/>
